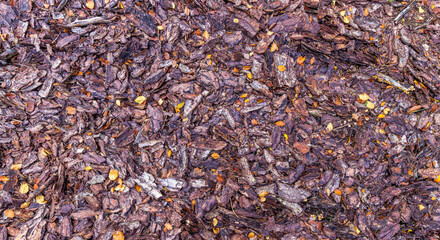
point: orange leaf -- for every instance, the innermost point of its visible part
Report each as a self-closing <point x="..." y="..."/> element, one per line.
<point x="215" y="155"/>
<point x="9" y="213"/>
<point x="118" y="235"/>
<point x="4" y="178"/>
<point x="281" y="68"/>
<point x="338" y="192"/>
<point x="71" y="110"/>
<point x="300" y="60"/>
<point x="280" y="124"/>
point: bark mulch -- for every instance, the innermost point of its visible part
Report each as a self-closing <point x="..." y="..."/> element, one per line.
<point x="219" y="119"/>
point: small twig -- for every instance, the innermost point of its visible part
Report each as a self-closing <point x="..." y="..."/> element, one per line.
<point x="404" y="11"/>
<point x="85" y="22"/>
<point x="62" y="5"/>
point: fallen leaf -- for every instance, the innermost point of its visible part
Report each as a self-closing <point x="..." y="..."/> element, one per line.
<point x="16" y="166"/>
<point x="338" y="192"/>
<point x="214" y="222"/>
<point x="300" y="60"/>
<point x="280" y="123"/>
<point x="251" y="235"/>
<point x="179" y="106"/>
<point x="330" y="127"/>
<point x="205" y="35"/>
<point x="113" y="174"/>
<point x="24" y="188"/>
<point x="263" y="193"/>
<point x="274" y="47"/>
<point x="88" y="168"/>
<point x="364" y="97"/>
<point x="9" y="213"/>
<point x="369" y="105"/>
<point x="168" y="226"/>
<point x="216" y="230"/>
<point x="215" y="155"/>
<point x="71" y="110"/>
<point x="281" y="68"/>
<point x="346" y="20"/>
<point x="40" y="199"/>
<point x="118" y="235"/>
<point x="236" y="20"/>
<point x="90" y="4"/>
<point x="249" y="75"/>
<point x="140" y="99"/>
<point x="4" y="178"/>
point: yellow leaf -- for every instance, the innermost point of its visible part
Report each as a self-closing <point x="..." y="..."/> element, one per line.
<point x="216" y="230"/>
<point x="312" y="61"/>
<point x="16" y="166"/>
<point x="160" y="27"/>
<point x="262" y="199"/>
<point x="364" y="97"/>
<point x="179" y="106"/>
<point x="88" y="168"/>
<point x="330" y="127"/>
<point x="249" y="75"/>
<point x="263" y="193"/>
<point x="342" y="13"/>
<point x="118" y="235"/>
<point x="118" y="103"/>
<point x="113" y="174"/>
<point x="366" y="12"/>
<point x="215" y="155"/>
<point x="205" y="35"/>
<point x="369" y="105"/>
<point x="9" y="213"/>
<point x="382" y="131"/>
<point x="386" y="110"/>
<point x="236" y="20"/>
<point x="286" y="137"/>
<point x="25" y="205"/>
<point x="280" y="123"/>
<point x="421" y="207"/>
<point x="168" y="226"/>
<point x="281" y="68"/>
<point x="24" y="188"/>
<point x="40" y="199"/>
<point x="243" y="95"/>
<point x="71" y="110"/>
<point x="214" y="222"/>
<point x="4" y="178"/>
<point x="437" y="180"/>
<point x="169" y="153"/>
<point x="140" y="99"/>
<point x="346" y="20"/>
<point x="421" y="10"/>
<point x="90" y="4"/>
<point x="300" y="60"/>
<point x="356" y="229"/>
<point x="247" y="68"/>
<point x="274" y="47"/>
